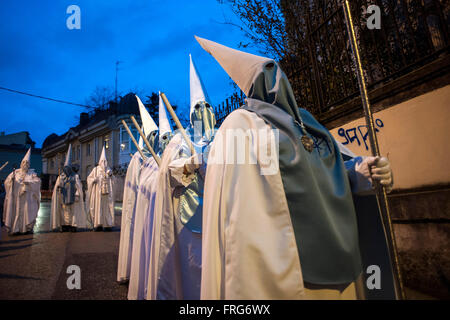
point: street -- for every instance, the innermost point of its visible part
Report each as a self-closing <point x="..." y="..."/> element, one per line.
<point x="34" y="266"/>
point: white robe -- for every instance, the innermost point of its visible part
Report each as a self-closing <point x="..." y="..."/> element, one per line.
<point x="175" y="259"/>
<point x="100" y="206"/>
<point x="163" y="201"/>
<point x="22" y="201"/>
<point x="128" y="214"/>
<point x="249" y="247"/>
<point x="142" y="230"/>
<point x="73" y="215"/>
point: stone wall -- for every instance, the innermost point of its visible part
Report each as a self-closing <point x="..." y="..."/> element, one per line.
<point x="414" y="135"/>
<point x="422" y="230"/>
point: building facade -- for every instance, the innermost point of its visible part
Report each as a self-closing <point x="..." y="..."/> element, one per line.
<point x="100" y="128"/>
<point x="13" y="148"/>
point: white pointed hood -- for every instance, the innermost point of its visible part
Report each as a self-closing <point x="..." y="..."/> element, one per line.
<point x="102" y="162"/>
<point x="26" y="159"/>
<point x="260" y="78"/>
<point x="27" y="156"/>
<point x="68" y="162"/>
<point x="164" y="124"/>
<point x="240" y="66"/>
<point x="148" y="123"/>
<point x="198" y="92"/>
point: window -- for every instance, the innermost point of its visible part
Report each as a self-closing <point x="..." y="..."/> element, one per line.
<point x="126" y="145"/>
<point x="52" y="163"/>
<point x="106" y="141"/>
<point x="79" y="152"/>
<point x="88" y="149"/>
<point x="124" y="140"/>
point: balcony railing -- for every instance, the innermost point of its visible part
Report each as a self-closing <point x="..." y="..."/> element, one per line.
<point x="229" y="105"/>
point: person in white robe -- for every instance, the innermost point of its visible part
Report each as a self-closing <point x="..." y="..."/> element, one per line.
<point x="165" y="136"/>
<point x="2" y="198"/>
<point x="67" y="210"/>
<point x="281" y="224"/>
<point x="129" y="203"/>
<point x="100" y="195"/>
<point x="176" y="272"/>
<point x="23" y="196"/>
<point x="163" y="210"/>
<point x="144" y="211"/>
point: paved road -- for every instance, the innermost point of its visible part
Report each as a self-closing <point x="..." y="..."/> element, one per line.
<point x="34" y="266"/>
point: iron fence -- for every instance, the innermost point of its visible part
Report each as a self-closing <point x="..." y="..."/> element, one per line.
<point x="319" y="65"/>
<point x="229" y="105"/>
<point x="318" y="59"/>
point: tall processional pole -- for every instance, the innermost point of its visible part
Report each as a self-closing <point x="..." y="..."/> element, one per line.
<point x="380" y="190"/>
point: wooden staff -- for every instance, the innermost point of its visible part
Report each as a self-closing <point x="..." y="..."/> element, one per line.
<point x="133" y="139"/>
<point x="155" y="156"/>
<point x="4" y="165"/>
<point x="177" y="122"/>
<point x="381" y="192"/>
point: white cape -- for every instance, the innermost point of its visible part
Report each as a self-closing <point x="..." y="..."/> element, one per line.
<point x="22" y="201"/>
<point x="76" y="211"/>
<point x="249" y="247"/>
<point x="99" y="206"/>
<point x="128" y="214"/>
<point x="142" y="230"/>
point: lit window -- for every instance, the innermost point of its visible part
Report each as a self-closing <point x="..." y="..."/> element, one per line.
<point x="126" y="145"/>
<point x="124" y="140"/>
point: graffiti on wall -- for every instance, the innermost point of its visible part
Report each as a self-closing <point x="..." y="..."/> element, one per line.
<point x="358" y="134"/>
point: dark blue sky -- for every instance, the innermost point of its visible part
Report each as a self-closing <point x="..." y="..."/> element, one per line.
<point x="40" y="55"/>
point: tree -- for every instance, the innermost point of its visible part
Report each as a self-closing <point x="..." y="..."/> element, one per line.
<point x="262" y="22"/>
<point x="100" y="97"/>
<point x="152" y="104"/>
<point x="277" y="29"/>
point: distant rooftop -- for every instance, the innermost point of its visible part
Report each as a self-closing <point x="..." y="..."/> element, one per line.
<point x="128" y="105"/>
<point x="21" y="138"/>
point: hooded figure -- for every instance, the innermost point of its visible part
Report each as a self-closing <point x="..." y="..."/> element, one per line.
<point x="281" y="224"/>
<point x="142" y="233"/>
<point x="22" y="198"/>
<point x="176" y="272"/>
<point x="68" y="211"/>
<point x="129" y="203"/>
<point x="100" y="194"/>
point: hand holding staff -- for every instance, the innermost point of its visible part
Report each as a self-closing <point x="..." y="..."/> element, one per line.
<point x="177" y="122"/>
<point x="381" y="191"/>
<point x="155" y="156"/>
<point x="133" y="139"/>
